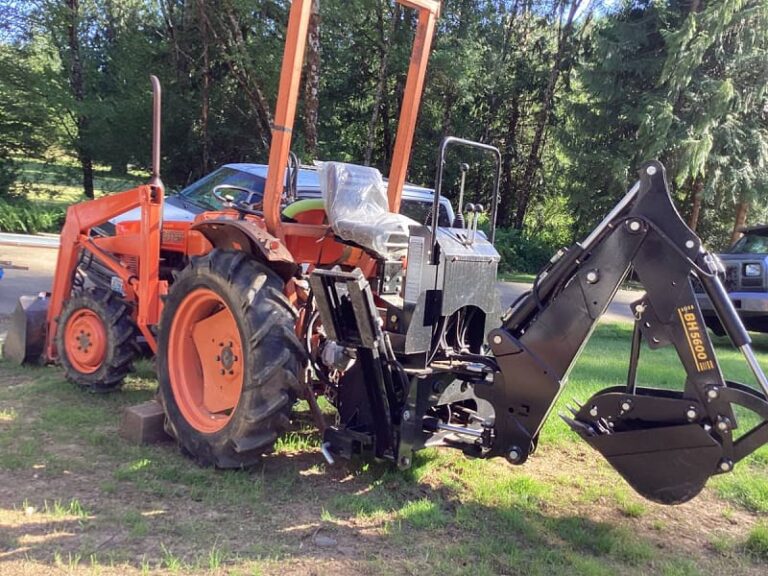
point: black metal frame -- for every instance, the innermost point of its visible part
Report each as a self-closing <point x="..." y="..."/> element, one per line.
<point x="665" y="443"/>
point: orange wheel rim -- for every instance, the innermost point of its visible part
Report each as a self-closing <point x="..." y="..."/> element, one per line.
<point x="205" y="360"/>
<point x="85" y="341"/>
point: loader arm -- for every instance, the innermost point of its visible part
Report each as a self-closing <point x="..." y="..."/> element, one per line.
<point x="146" y="287"/>
<point x="665" y="443"/>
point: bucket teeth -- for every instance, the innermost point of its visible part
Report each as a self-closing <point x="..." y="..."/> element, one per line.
<point x="579" y="404"/>
<point x="573" y="411"/>
<point x="579" y="427"/>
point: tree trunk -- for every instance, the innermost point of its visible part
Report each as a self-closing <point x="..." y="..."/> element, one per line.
<point x="236" y="54"/>
<point x="508" y="158"/>
<point x="77" y="86"/>
<point x="533" y="162"/>
<point x="741" y="219"/>
<point x="698" y="192"/>
<point x="206" y="87"/>
<point x="385" y="42"/>
<point x="312" y="80"/>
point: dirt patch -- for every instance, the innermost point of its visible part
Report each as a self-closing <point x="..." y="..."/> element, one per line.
<point x="80" y="497"/>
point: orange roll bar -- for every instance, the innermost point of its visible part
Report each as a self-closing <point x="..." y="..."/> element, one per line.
<point x="285" y="110"/>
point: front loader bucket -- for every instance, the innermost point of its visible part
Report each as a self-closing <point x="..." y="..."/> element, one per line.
<point x="25" y="342"/>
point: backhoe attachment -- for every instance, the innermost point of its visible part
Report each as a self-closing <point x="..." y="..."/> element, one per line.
<point x="665" y="443"/>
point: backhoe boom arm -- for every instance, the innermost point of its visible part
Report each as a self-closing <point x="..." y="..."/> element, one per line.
<point x="665" y="443"/>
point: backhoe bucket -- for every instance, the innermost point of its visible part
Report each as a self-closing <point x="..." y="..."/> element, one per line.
<point x="25" y="342"/>
<point x="668" y="465"/>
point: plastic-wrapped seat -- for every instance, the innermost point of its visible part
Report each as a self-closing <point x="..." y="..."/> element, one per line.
<point x="358" y="209"/>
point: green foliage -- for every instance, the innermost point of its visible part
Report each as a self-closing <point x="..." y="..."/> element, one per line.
<point x="8" y="173"/>
<point x="636" y="80"/>
<point x="25" y="121"/>
<point x="28" y="218"/>
<point x="521" y="252"/>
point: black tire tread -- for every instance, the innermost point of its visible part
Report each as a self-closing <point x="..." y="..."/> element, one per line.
<point x="121" y="337"/>
<point x="272" y="352"/>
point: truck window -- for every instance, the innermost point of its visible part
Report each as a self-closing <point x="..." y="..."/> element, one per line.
<point x="750" y="244"/>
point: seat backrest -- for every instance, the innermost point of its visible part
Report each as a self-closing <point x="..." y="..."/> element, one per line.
<point x="358" y="210"/>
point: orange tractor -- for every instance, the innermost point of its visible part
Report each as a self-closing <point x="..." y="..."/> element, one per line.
<point x="397" y="322"/>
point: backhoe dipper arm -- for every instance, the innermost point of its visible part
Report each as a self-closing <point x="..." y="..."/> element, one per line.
<point x="665" y="443"/>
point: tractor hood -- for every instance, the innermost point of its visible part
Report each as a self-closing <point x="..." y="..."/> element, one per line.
<point x="174" y="210"/>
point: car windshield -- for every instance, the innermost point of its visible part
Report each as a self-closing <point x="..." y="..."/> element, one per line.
<point x="421" y="211"/>
<point x="201" y="192"/>
<point x="750" y="244"/>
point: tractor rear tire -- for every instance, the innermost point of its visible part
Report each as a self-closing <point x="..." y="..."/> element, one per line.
<point x="96" y="340"/>
<point x="228" y="359"/>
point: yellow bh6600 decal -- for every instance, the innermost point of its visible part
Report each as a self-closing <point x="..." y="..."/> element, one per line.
<point x="695" y="340"/>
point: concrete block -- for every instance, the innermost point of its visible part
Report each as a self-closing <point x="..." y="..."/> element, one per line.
<point x="144" y="423"/>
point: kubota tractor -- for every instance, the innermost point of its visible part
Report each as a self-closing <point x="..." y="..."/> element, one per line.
<point x="398" y="323"/>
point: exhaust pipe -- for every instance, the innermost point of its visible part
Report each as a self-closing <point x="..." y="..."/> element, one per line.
<point x="157" y="94"/>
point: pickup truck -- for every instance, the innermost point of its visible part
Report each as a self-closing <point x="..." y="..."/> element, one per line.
<point x="198" y="196"/>
<point x="746" y="280"/>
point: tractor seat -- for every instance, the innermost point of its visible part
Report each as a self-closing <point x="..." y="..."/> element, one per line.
<point x="358" y="209"/>
<point x="305" y="211"/>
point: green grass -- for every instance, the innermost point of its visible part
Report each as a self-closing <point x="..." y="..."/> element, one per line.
<point x="521" y="277"/>
<point x="565" y="512"/>
<point x="630" y="505"/>
<point x="45" y="188"/>
<point x="757" y="541"/>
<point x="59" y="510"/>
<point x="59" y="180"/>
<point x="423" y="514"/>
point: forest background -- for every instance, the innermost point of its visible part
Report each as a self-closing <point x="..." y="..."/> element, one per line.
<point x="577" y="94"/>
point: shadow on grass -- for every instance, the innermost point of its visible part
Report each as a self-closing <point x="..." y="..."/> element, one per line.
<point x="380" y="521"/>
<point x="149" y="506"/>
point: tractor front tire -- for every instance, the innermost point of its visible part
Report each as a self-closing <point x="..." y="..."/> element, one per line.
<point x="96" y="340"/>
<point x="228" y="359"/>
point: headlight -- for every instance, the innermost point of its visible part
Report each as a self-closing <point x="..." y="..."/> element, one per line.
<point x="752" y="270"/>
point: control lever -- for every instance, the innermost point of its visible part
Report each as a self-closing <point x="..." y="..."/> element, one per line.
<point x="470" y="210"/>
<point x="479" y="209"/>
<point x="458" y="222"/>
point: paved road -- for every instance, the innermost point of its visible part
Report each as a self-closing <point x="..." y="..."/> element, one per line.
<point x="41" y="241"/>
<point x="618" y="310"/>
<point x="41" y="263"/>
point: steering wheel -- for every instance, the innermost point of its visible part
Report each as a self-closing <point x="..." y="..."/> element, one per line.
<point x="242" y="206"/>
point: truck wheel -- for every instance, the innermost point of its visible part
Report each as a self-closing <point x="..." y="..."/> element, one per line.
<point x="228" y="359"/>
<point x="96" y="340"/>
